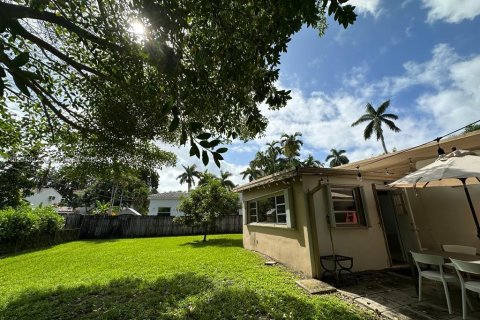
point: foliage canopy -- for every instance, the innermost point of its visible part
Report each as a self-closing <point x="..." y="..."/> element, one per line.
<point x="206" y="203"/>
<point x="197" y="75"/>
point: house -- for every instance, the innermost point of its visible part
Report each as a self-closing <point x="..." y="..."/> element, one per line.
<point x="165" y="204"/>
<point x="65" y="210"/>
<point x="129" y="211"/>
<point x="45" y="197"/>
<point x="299" y="215"/>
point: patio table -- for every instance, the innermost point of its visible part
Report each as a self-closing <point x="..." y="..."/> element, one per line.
<point x="454" y="255"/>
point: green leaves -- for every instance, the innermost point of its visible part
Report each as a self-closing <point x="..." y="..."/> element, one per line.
<point x="20" y="60"/>
<point x="345" y="14"/>
<point x="21" y="83"/>
<point x="204" y="136"/>
<point x="174" y="124"/>
<point x="208" y="147"/>
<point x="204" y="157"/>
<point x="194" y="151"/>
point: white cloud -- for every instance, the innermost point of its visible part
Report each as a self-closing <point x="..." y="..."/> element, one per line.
<point x="168" y="176"/>
<point x="451" y="11"/>
<point x="367" y="6"/>
<point x="450" y="84"/>
<point x="457" y="104"/>
<point x="450" y="100"/>
<point x="405" y="3"/>
<point x="433" y="73"/>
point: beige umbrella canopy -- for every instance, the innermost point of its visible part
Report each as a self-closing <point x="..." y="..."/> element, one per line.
<point x="458" y="168"/>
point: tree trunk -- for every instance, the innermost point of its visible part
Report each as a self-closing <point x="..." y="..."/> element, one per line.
<point x="204" y="232"/>
<point x="383" y="144"/>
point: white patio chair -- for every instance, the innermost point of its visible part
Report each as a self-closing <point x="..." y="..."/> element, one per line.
<point x="459" y="249"/>
<point x="472" y="285"/>
<point x="434" y="275"/>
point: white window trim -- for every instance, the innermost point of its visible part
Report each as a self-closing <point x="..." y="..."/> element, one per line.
<point x="163" y="213"/>
<point x="331" y="213"/>
<point x="287" y="194"/>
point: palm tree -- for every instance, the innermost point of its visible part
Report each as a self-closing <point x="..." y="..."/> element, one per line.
<point x="224" y="175"/>
<point x="206" y="177"/>
<point x="189" y="175"/>
<point x="311" y="162"/>
<point x="291" y="145"/>
<point x="251" y="172"/>
<point x="337" y="158"/>
<point x="272" y="156"/>
<point x="376" y="118"/>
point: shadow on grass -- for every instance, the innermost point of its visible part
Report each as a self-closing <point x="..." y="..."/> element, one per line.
<point x="99" y="241"/>
<point x="215" y="243"/>
<point x="4" y="255"/>
<point x="185" y="296"/>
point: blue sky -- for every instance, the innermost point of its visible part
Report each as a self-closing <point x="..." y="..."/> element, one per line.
<point x="422" y="55"/>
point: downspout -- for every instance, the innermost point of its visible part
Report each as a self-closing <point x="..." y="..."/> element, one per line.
<point x="312" y="231"/>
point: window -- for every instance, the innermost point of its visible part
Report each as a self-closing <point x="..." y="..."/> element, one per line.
<point x="164" y="212"/>
<point x="346" y="206"/>
<point x="398" y="204"/>
<point x="272" y="209"/>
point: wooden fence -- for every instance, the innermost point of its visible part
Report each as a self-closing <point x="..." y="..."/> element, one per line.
<point x="126" y="226"/>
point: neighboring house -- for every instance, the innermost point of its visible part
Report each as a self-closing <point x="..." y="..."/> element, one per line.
<point x="129" y="211"/>
<point x="296" y="216"/>
<point x="65" y="210"/>
<point x="165" y="204"/>
<point x="45" y="196"/>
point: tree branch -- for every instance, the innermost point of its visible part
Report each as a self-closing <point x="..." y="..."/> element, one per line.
<point x="42" y="44"/>
<point x="11" y="11"/>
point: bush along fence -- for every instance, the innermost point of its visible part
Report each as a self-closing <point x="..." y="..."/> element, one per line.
<point x="126" y="226"/>
<point x="25" y="228"/>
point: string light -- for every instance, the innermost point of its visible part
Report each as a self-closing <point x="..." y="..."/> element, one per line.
<point x="440" y="151"/>
<point x="415" y="147"/>
<point x="359" y="174"/>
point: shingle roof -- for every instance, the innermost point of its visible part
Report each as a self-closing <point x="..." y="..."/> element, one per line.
<point x="172" y="195"/>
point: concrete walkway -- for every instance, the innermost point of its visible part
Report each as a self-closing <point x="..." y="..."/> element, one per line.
<point x="393" y="296"/>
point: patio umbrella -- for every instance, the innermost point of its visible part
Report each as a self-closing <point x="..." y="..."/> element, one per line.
<point x="458" y="168"/>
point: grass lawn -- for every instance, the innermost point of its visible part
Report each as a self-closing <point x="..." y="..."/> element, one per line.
<point x="156" y="278"/>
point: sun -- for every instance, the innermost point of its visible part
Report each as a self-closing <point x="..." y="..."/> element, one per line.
<point x="137" y="28"/>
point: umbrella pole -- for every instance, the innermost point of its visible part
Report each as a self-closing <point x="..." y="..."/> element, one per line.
<point x="472" y="209"/>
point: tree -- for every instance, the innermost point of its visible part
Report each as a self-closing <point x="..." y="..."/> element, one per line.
<point x="376" y="118"/>
<point x="18" y="175"/>
<point x="224" y="175"/>
<point x="291" y="146"/>
<point x="251" y="172"/>
<point x="472" y="127"/>
<point x="83" y="186"/>
<point x="100" y="86"/>
<point x="204" y="205"/>
<point x="206" y="177"/>
<point x="189" y="175"/>
<point x="101" y="208"/>
<point x="338" y="158"/>
<point x="311" y="162"/>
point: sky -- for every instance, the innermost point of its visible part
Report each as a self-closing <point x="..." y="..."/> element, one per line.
<point x="423" y="55"/>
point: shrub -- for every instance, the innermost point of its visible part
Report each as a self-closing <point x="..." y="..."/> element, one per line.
<point x="24" y="221"/>
<point x="49" y="220"/>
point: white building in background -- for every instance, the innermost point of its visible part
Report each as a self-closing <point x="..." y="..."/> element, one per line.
<point x="165" y="204"/>
<point x="45" y="197"/>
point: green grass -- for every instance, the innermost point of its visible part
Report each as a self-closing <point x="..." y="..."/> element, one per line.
<point x="156" y="278"/>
